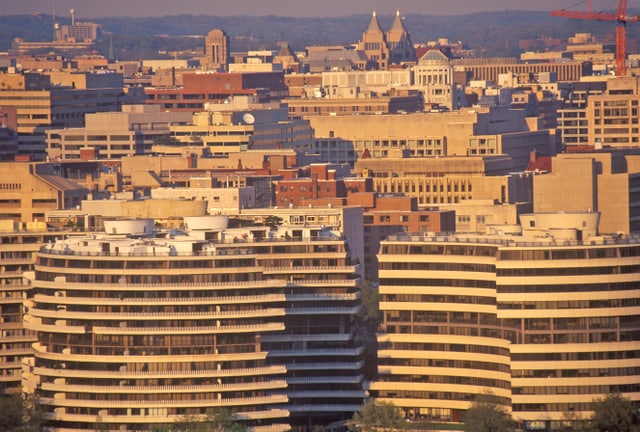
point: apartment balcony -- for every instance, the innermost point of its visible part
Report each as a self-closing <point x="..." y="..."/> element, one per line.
<point x="322" y="337"/>
<point x="60" y="400"/>
<point x="333" y="352"/>
<point x="11" y="274"/>
<point x="153" y="389"/>
<point x="26" y="261"/>
<point x="148" y="375"/>
<point x="60" y="414"/>
<point x="355" y="379"/>
<point x="27" y="337"/>
<point x="355" y="365"/>
<point x="140" y="356"/>
<point x="10" y="364"/>
<point x="330" y="408"/>
<point x="35" y="324"/>
<point x="155" y="316"/>
<point x="327" y="394"/>
<point x="26" y="350"/>
<point x="10" y="378"/>
<point x="172" y="301"/>
<point x="270" y="428"/>
<point x="146" y="331"/>
<point x="324" y="311"/>
<point x="60" y="283"/>
<point x="323" y="283"/>
<point x="11" y="326"/>
<point x="311" y="270"/>
<point x="322" y="296"/>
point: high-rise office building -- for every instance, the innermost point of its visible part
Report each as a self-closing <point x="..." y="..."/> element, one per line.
<point x="547" y="320"/>
<point x="136" y="331"/>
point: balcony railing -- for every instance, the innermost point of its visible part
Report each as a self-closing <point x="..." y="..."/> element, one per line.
<point x="61" y="282"/>
<point x="209" y="402"/>
<point x="325" y="366"/>
<point x="318" y="352"/>
<point x="324" y="311"/>
<point x="267" y="327"/>
<point x="39" y="298"/>
<point x="120" y="375"/>
<point x="154" y="389"/>
<point x="140" y="316"/>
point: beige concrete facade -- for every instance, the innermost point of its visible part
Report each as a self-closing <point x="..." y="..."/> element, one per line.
<point x="448" y="180"/>
<point x="605" y="181"/>
<point x="244" y="125"/>
<point x="155" y="328"/>
<point x="478" y="131"/>
<point x="113" y="135"/>
<point x="28" y="190"/>
<point x="347" y="219"/>
<point x="41" y="106"/>
<point x="534" y="317"/>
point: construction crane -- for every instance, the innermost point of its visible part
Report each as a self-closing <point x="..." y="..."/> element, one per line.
<point x="621" y="19"/>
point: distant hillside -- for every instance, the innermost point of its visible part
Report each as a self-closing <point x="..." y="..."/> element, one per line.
<point x="495" y="33"/>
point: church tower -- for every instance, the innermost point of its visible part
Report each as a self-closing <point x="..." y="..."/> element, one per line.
<point x="399" y="43"/>
<point x="374" y="45"/>
<point x="217" y="51"/>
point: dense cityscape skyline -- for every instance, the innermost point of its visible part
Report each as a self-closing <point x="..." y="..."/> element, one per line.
<point x="329" y="8"/>
<point x="392" y="232"/>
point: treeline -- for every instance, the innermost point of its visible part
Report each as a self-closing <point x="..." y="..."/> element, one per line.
<point x="491" y="34"/>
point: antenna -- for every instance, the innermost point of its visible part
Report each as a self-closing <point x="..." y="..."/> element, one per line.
<point x="53" y="18"/>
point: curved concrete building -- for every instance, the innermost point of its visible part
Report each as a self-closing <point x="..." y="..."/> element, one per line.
<point x="136" y="332"/>
<point x="548" y="321"/>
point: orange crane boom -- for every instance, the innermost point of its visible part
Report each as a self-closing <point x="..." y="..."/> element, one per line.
<point x="621" y="19"/>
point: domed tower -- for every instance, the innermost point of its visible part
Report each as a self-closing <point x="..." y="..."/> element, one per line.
<point x="374" y="44"/>
<point x="399" y="43"/>
<point x="434" y="74"/>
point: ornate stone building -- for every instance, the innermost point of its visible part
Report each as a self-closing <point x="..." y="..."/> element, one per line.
<point x="383" y="49"/>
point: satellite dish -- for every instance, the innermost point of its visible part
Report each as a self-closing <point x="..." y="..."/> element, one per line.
<point x="248" y="118"/>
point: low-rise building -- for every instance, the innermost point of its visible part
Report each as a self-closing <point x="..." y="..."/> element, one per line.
<point x="243" y="124"/>
<point x="113" y="135"/>
<point x="29" y="189"/>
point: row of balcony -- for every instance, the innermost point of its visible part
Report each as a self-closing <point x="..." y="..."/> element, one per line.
<point x="61" y="414"/>
<point x="255" y="299"/>
<point x="60" y="400"/>
<point x="124" y="374"/>
<point x="60" y="282"/>
<point x="143" y="316"/>
<point x="255" y="328"/>
<point x="155" y="389"/>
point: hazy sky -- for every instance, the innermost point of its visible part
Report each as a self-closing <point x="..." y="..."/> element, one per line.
<point x="102" y="8"/>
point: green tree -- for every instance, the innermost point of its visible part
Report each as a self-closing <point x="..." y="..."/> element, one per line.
<point x="20" y="413"/>
<point x="273" y="221"/>
<point x="10" y="413"/>
<point x="378" y="415"/>
<point x="366" y="324"/>
<point x="486" y="414"/>
<point x="216" y="420"/>
<point x="614" y="413"/>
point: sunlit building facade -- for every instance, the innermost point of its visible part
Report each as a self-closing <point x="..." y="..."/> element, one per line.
<point x="547" y="321"/>
<point x="136" y="331"/>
